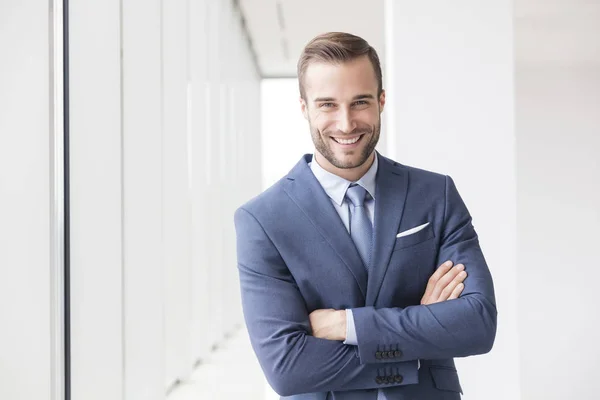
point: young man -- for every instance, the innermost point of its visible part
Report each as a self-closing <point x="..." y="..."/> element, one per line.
<point x="341" y="290"/>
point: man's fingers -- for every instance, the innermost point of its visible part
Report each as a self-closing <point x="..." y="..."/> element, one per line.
<point x="457" y="291"/>
<point x="449" y="289"/>
<point x="445" y="281"/>
<point x="437" y="275"/>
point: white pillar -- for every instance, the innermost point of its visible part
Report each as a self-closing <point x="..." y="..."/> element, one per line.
<point x="30" y="201"/>
<point x="201" y="232"/>
<point x="96" y="200"/>
<point x="143" y="266"/>
<point x="211" y="157"/>
<point x="177" y="194"/>
<point x="450" y="98"/>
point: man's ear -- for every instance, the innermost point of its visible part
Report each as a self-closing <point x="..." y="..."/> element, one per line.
<point x="381" y="101"/>
<point x="304" y="108"/>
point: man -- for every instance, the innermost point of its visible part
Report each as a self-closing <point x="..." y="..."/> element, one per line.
<point x="337" y="260"/>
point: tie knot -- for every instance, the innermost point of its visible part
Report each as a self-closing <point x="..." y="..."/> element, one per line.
<point x="356" y="195"/>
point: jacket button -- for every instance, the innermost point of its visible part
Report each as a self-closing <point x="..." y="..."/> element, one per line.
<point x="386" y="379"/>
<point x="378" y="355"/>
<point x="378" y="380"/>
<point x="384" y="354"/>
<point x="390" y="354"/>
<point x="397" y="353"/>
<point x="398" y="379"/>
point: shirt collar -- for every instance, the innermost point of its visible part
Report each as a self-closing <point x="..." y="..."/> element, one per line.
<point x="336" y="186"/>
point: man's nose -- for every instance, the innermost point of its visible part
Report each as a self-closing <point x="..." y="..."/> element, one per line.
<point x="345" y="122"/>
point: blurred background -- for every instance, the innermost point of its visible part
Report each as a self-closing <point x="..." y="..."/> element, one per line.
<point x="130" y="131"/>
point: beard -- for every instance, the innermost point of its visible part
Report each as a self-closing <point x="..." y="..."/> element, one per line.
<point x="323" y="145"/>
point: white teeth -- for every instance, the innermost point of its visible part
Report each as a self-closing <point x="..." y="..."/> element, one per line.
<point x="344" y="141"/>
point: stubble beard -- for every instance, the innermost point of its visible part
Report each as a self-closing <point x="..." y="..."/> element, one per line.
<point x="323" y="146"/>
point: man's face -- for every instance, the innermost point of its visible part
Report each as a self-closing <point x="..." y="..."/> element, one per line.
<point x="343" y="111"/>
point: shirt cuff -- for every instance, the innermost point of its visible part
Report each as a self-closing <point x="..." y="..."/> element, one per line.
<point x="351" y="338"/>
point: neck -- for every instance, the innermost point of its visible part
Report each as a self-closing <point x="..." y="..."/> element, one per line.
<point x="350" y="174"/>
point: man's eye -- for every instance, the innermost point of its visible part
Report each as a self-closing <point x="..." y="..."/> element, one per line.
<point x="327" y="105"/>
<point x="360" y="103"/>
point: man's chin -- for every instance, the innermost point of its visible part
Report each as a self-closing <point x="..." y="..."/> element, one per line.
<point x="348" y="162"/>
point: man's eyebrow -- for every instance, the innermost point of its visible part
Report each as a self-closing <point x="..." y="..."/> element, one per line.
<point x="364" y="96"/>
<point x="357" y="97"/>
<point x="320" y="99"/>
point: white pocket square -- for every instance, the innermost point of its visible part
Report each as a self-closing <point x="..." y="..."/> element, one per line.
<point x="412" y="230"/>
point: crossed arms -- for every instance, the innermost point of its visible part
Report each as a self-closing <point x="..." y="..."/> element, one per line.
<point x="294" y="361"/>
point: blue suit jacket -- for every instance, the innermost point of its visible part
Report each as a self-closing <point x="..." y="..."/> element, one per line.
<point x="296" y="256"/>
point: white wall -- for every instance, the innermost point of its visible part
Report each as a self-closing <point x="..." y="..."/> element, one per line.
<point x="558" y="199"/>
<point x="450" y="93"/>
<point x="558" y="127"/>
<point x="26" y="201"/>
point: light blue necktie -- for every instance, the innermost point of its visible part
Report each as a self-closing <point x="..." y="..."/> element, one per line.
<point x="361" y="230"/>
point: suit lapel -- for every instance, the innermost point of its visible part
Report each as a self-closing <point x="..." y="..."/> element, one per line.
<point x="306" y="191"/>
<point x="390" y="196"/>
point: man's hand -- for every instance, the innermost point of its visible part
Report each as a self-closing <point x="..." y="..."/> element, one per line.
<point x="328" y="324"/>
<point x="445" y="283"/>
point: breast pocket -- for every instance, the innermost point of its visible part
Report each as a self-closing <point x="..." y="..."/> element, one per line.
<point x="423" y="235"/>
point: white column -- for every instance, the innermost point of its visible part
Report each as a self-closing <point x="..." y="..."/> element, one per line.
<point x="143" y="275"/>
<point x="177" y="195"/>
<point x="96" y="200"/>
<point x="226" y="114"/>
<point x="451" y="98"/>
<point x="212" y="165"/>
<point x="202" y="233"/>
<point x="28" y="201"/>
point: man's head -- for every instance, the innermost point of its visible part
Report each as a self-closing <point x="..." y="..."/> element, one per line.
<point x="342" y="98"/>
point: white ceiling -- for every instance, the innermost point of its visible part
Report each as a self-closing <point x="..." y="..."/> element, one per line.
<point x="547" y="32"/>
<point x="280" y="29"/>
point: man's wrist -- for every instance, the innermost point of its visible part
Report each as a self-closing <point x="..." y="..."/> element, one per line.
<point x="343" y="324"/>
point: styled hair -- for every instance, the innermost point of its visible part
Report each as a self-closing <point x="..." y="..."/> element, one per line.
<point x="337" y="48"/>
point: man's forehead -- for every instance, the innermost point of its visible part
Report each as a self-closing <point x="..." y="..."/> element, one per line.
<point x="348" y="80"/>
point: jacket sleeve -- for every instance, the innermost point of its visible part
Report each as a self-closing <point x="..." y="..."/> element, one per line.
<point x="276" y="316"/>
<point x="455" y="328"/>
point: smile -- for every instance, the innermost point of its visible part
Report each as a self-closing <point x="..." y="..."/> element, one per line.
<point x="347" y="141"/>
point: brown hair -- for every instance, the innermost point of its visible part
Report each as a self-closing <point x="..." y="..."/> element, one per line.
<point x="337" y="47"/>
